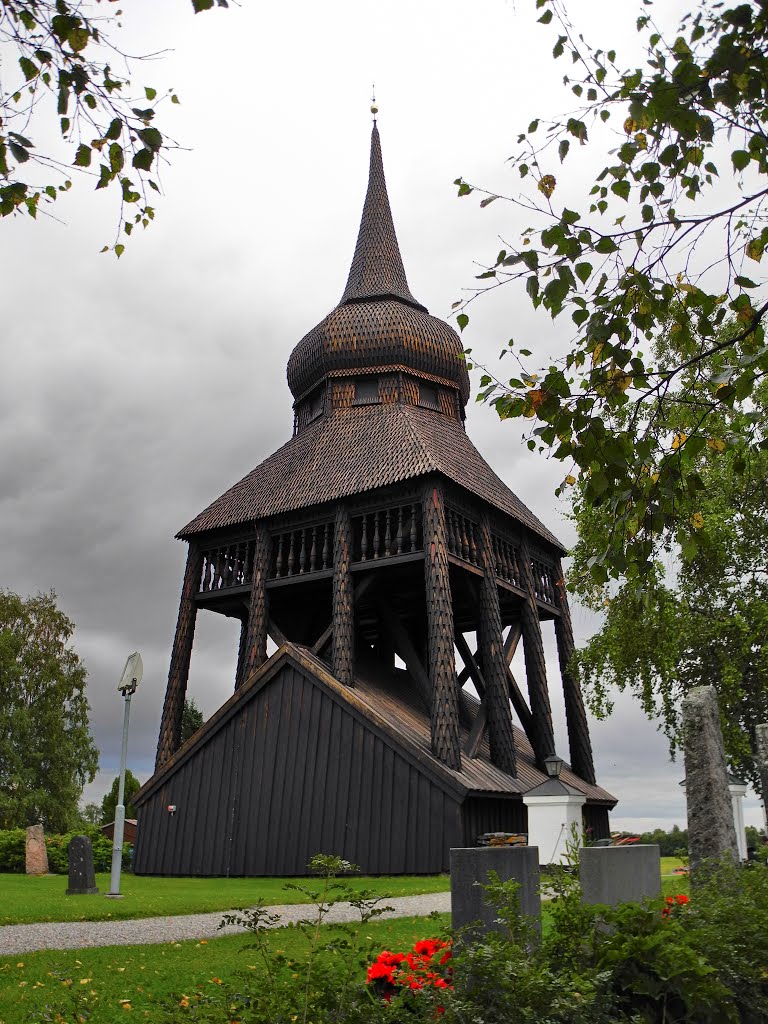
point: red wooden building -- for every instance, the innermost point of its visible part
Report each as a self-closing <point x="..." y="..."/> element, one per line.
<point x="377" y="530"/>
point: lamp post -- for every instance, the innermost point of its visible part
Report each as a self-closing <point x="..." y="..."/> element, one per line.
<point x="129" y="680"/>
<point x="553" y="765"/>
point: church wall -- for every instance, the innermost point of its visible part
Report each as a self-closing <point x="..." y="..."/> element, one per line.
<point x="492" y="814"/>
<point x="293" y="772"/>
<point x="596" y="822"/>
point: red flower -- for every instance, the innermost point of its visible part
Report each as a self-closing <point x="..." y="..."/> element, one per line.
<point x="674" y="901"/>
<point x="392" y="971"/>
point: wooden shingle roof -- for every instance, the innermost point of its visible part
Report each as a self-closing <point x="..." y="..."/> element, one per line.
<point x="357" y="450"/>
<point x="378" y="322"/>
<point x="377" y="269"/>
<point x="390" y="704"/>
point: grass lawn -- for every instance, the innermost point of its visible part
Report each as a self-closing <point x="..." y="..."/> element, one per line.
<point x="668" y="865"/>
<point x="147" y="975"/>
<point x="25" y="899"/>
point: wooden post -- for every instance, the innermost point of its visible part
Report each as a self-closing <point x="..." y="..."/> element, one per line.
<point x="442" y="662"/>
<point x="543" y="741"/>
<point x="241" y="649"/>
<point x="178" y="673"/>
<point x="575" y="715"/>
<point x="343" y="656"/>
<point x="490" y="642"/>
<point x="258" y="611"/>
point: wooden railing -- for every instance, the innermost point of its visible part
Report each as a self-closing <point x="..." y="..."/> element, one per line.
<point x="304" y="550"/>
<point x="543" y="581"/>
<point x="376" y="535"/>
<point x="463" y="534"/>
<point x="387" y="532"/>
<point x="229" y="565"/>
<point x="506" y="557"/>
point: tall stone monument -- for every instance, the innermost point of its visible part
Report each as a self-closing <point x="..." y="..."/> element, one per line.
<point x="711" y="833"/>
<point x="761" y="734"/>
<point x="36" y="852"/>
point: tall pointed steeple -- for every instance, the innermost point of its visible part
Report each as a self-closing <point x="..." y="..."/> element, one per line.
<point x="377" y="270"/>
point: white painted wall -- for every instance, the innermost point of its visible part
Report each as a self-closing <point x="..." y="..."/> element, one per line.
<point x="550" y="822"/>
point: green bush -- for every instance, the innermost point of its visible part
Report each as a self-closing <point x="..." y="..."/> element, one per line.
<point x="13" y="850"/>
<point x="666" y="961"/>
<point x="701" y="961"/>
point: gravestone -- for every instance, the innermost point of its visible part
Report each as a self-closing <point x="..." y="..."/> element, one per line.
<point x="761" y="735"/>
<point x="37" y="853"/>
<point x="469" y="872"/>
<point x="82" y="879"/>
<point x="711" y="834"/>
<point x="619" y="874"/>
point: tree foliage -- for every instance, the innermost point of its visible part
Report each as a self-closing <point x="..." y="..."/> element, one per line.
<point x="47" y="753"/>
<point x="69" y="72"/>
<point x="91" y="814"/>
<point x="191" y="719"/>
<point x="673" y="220"/>
<point x="109" y="803"/>
<point x="701" y="614"/>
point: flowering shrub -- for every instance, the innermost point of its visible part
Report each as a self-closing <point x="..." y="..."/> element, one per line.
<point x="672" y="902"/>
<point x="426" y="966"/>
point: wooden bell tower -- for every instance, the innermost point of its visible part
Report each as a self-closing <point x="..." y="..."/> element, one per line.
<point x="379" y="531"/>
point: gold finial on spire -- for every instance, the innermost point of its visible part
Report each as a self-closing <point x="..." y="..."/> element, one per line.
<point x="374" y="105"/>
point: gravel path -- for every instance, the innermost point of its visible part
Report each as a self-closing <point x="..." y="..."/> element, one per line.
<point x="25" y="938"/>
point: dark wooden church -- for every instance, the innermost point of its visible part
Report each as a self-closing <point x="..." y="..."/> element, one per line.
<point x="377" y="531"/>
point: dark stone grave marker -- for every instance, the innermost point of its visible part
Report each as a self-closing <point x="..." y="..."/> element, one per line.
<point x="82" y="879"/>
<point x="471" y="866"/>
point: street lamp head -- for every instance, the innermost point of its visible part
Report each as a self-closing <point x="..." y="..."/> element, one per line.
<point x="553" y="765"/>
<point x="132" y="673"/>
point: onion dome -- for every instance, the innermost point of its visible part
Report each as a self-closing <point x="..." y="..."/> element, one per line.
<point x="378" y="326"/>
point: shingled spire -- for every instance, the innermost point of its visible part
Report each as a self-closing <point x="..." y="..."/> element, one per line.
<point x="377" y="267"/>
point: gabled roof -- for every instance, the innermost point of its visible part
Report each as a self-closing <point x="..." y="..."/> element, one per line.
<point x="389" y="704"/>
<point x="357" y="450"/>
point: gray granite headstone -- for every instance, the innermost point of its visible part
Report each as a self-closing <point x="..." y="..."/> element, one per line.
<point x="619" y="874"/>
<point x="82" y="879"/>
<point x="36" y="851"/>
<point x="471" y="866"/>
<point x="711" y="832"/>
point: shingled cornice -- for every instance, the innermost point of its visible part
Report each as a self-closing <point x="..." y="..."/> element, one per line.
<point x="357" y="450"/>
<point x="377" y="267"/>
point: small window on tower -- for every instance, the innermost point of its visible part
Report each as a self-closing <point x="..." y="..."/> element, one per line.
<point x="428" y="396"/>
<point x="316" y="403"/>
<point x="367" y="391"/>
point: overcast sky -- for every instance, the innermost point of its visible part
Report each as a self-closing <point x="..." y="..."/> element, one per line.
<point x="134" y="392"/>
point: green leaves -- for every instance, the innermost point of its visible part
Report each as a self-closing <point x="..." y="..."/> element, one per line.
<point x="606" y="245"/>
<point x="142" y="160"/>
<point x="151" y="138"/>
<point x="83" y="156"/>
<point x="29" y="68"/>
<point x="96" y="120"/>
<point x="673" y="284"/>
<point x="740" y="159"/>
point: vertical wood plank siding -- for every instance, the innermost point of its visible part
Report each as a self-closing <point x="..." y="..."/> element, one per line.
<point x="596" y="820"/>
<point x="291" y="774"/>
<point x="488" y="814"/>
